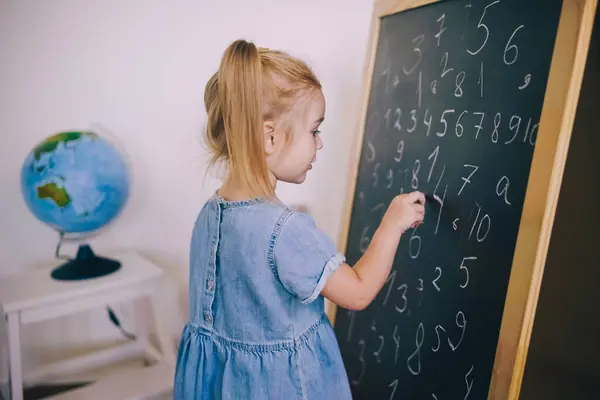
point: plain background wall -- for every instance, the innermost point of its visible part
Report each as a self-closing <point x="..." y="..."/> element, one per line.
<point x="4" y="365"/>
<point x="138" y="68"/>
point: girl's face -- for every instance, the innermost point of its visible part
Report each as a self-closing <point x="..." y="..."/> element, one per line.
<point x="290" y="158"/>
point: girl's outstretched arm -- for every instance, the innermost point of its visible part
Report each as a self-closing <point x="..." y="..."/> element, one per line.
<point x="355" y="287"/>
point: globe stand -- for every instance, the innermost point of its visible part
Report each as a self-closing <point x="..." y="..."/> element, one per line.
<point x="86" y="265"/>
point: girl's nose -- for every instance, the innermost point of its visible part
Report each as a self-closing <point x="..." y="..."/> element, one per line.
<point x="319" y="142"/>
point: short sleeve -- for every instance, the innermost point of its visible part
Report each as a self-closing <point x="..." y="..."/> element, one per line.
<point x="304" y="256"/>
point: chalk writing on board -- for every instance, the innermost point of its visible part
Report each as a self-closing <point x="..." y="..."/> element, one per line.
<point x="526" y="82"/>
<point x="454" y="111"/>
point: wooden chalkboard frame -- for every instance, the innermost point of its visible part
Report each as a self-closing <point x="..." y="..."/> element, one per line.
<point x="558" y="114"/>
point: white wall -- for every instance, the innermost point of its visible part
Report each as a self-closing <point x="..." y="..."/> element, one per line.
<point x="138" y="68"/>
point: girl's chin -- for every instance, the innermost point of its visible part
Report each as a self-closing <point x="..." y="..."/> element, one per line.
<point x="297" y="180"/>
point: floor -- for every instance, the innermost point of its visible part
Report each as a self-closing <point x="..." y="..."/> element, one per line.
<point x="542" y="380"/>
<point x="60" y="385"/>
<point x="42" y="391"/>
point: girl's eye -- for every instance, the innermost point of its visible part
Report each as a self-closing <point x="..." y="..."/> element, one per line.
<point x="315" y="133"/>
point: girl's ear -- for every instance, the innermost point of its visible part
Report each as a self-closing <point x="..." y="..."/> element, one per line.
<point x="269" y="136"/>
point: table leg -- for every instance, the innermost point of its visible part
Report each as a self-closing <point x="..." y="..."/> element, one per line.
<point x="166" y="345"/>
<point x="14" y="349"/>
<point x="141" y="312"/>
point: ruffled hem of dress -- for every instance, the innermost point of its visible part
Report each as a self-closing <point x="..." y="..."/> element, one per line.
<point x="290" y="344"/>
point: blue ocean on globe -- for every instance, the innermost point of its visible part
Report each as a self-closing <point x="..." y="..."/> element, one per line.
<point x="75" y="181"/>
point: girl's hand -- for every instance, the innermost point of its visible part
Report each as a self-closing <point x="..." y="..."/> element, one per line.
<point x="405" y="211"/>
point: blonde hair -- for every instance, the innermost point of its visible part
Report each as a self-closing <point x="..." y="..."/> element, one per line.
<point x="252" y="85"/>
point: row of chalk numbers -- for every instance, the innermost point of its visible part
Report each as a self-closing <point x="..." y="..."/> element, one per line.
<point x="510" y="127"/>
<point x="511" y="49"/>
<point x="440" y="337"/>
<point x="413" y="176"/>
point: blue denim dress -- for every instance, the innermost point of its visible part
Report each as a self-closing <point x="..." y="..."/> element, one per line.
<point x="257" y="326"/>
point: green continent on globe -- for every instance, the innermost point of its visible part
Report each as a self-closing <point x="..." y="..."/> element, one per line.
<point x="54" y="192"/>
<point x="53" y="141"/>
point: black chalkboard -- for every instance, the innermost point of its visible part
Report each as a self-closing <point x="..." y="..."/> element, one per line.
<point x="455" y="101"/>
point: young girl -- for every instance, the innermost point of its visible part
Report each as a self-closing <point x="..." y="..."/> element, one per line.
<point x="258" y="270"/>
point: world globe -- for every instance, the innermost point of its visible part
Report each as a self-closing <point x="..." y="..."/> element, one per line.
<point x="76" y="182"/>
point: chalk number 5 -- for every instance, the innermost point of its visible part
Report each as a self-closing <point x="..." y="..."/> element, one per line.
<point x="484" y="26"/>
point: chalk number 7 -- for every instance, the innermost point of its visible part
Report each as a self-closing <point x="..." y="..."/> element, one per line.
<point x="484" y="26"/>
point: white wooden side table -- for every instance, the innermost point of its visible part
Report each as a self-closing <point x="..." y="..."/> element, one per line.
<point x="34" y="297"/>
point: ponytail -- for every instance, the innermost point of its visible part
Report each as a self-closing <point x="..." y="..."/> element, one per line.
<point x="239" y="82"/>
